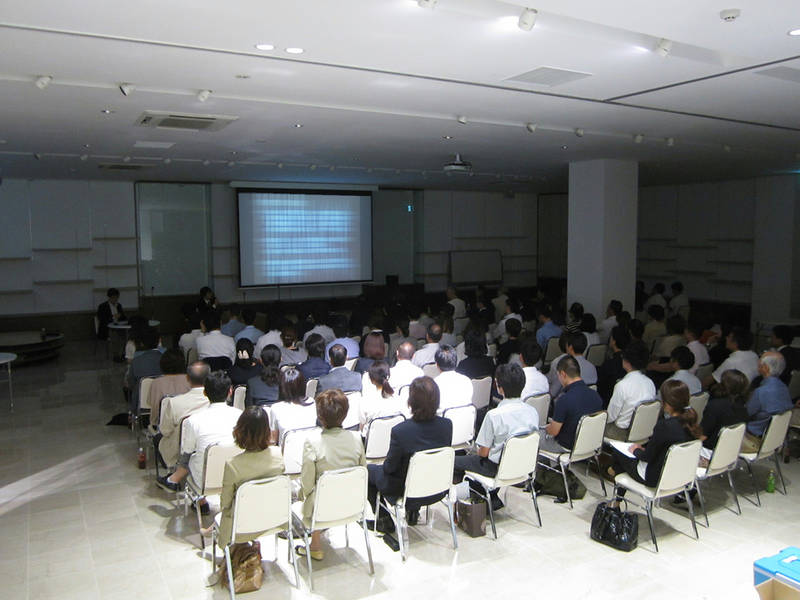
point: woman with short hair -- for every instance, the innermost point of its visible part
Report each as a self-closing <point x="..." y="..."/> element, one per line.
<point x="293" y="410"/>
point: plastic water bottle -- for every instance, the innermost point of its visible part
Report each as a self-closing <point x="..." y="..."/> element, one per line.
<point x="142" y="461"/>
<point x="771" y="482"/>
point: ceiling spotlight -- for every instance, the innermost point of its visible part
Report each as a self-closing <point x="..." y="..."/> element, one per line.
<point x="531" y="127"/>
<point x="167" y="161"/>
<point x="298" y="125"/>
<point x="462" y="119"/>
<point x="427" y="3"/>
<point x="126" y="88"/>
<point x="579" y="132"/>
<point x="638" y="138"/>
<point x="203" y="95"/>
<point x="106" y="111"/>
<point x="294" y="50"/>
<point x="265" y="47"/>
<point x="42" y="81"/>
<point x="84" y="157"/>
<point x="527" y="19"/>
<point x="794" y="32"/>
<point x="127" y="159"/>
<point x="206" y="162"/>
<point x="670" y="141"/>
<point x="729" y="15"/>
<point x="564" y="147"/>
<point x="447" y="137"/>
<point x="664" y="47"/>
<point x="726" y="148"/>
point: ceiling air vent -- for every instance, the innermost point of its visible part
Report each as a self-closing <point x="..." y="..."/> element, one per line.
<point x="549" y="76"/>
<point x="183" y="121"/>
<point x="121" y="167"/>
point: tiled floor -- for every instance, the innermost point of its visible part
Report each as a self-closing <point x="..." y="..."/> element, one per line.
<point x="79" y="520"/>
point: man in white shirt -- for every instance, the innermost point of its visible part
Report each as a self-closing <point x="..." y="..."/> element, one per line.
<point x="630" y="391"/>
<point x="511" y="312"/>
<point x="189" y="340"/>
<point x="274" y="337"/>
<point x="404" y="371"/>
<point x="681" y="361"/>
<point x="499" y="303"/>
<point x="693" y="333"/>
<point x="321" y="327"/>
<point x="212" y="425"/>
<point x="174" y="409"/>
<point x="249" y="331"/>
<point x="576" y="346"/>
<point x="214" y="343"/>
<point x="679" y="303"/>
<point x="739" y="342"/>
<point x="455" y="389"/>
<point x="607" y="324"/>
<point x="427" y="354"/>
<point x="459" y="306"/>
<point x="657" y="297"/>
<point x="535" y="382"/>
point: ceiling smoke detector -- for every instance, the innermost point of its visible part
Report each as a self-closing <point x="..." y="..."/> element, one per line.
<point x="729" y="15"/>
<point x="457" y="166"/>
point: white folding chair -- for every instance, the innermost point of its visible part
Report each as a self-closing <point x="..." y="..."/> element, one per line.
<point x="699" y="402"/>
<point x="770" y="444"/>
<point x="704" y="371"/>
<point x="311" y="388"/>
<point x="352" y="419"/>
<point x="491" y="350"/>
<point x="377" y="435"/>
<point x="350" y="363"/>
<point x="481" y="391"/>
<point x="431" y="370"/>
<point x="726" y="454"/>
<point x="541" y="402"/>
<point x="588" y="442"/>
<point x="552" y="350"/>
<point x="677" y="477"/>
<point x="463" y="419"/>
<point x="430" y="473"/>
<point x="517" y="465"/>
<point x="794" y="385"/>
<point x="340" y="498"/>
<point x="645" y="417"/>
<point x="292" y="448"/>
<point x="143" y="408"/>
<point x="596" y="354"/>
<point x="262" y="507"/>
<point x="239" y="394"/>
<point x="592" y="386"/>
<point x="216" y="455"/>
<point x="192" y="356"/>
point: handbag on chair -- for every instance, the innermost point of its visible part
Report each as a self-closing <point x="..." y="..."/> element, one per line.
<point x="614" y="527"/>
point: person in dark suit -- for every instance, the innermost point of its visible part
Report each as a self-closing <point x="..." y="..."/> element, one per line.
<point x="315" y="365"/>
<point x="263" y="389"/>
<point x="422" y="432"/>
<point x="108" y="312"/>
<point x="611" y="370"/>
<point x="477" y="363"/>
<point x="339" y="377"/>
<point x="782" y="337"/>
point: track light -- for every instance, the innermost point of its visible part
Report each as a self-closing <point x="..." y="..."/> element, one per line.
<point x="37" y="156"/>
<point x="664" y="47"/>
<point x="462" y="119"/>
<point x="42" y="81"/>
<point x="531" y="127"/>
<point x="638" y="138"/>
<point x="427" y="3"/>
<point x="579" y="132"/>
<point x="126" y="88"/>
<point x="203" y="95"/>
<point x="527" y="19"/>
<point x="670" y="141"/>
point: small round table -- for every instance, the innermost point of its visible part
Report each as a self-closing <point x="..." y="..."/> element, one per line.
<point x="6" y="358"/>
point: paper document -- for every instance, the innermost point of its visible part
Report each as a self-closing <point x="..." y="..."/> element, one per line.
<point x="621" y="446"/>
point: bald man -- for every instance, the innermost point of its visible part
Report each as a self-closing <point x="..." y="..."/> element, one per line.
<point x="427" y="354"/>
<point x="770" y="398"/>
<point x="404" y="371"/>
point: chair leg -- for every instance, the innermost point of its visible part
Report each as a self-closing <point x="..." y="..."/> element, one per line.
<point x="292" y="557"/>
<point x="535" y="502"/>
<point x="346" y="537"/>
<point x="453" y="523"/>
<point x="649" y="509"/>
<point x="369" y="548"/>
<point x="200" y="524"/>
<point x="691" y="511"/>
<point x="753" y="480"/>
<point x="778" y="469"/>
<point x="600" y="474"/>
<point x="399" y="525"/>
<point x="488" y="498"/>
<point x="702" y="501"/>
<point x="735" y="496"/>
<point x="230" y="571"/>
<point x="213" y="550"/>
<point x="566" y="485"/>
<point x="308" y="559"/>
<point x="377" y="508"/>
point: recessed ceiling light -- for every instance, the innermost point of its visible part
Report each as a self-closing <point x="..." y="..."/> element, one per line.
<point x="298" y="125"/>
<point x="564" y="147"/>
<point x="294" y="50"/>
<point x="794" y="32"/>
<point x="87" y="146"/>
<point x="234" y="153"/>
<point x="265" y="47"/>
<point x="84" y="157"/>
<point x="107" y="111"/>
<point x="203" y="95"/>
<point x="242" y="76"/>
<point x="447" y="137"/>
<point x="206" y="162"/>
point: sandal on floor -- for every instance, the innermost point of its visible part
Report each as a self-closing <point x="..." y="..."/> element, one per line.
<point x="315" y="554"/>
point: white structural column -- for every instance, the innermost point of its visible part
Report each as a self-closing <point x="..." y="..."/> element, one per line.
<point x="601" y="243"/>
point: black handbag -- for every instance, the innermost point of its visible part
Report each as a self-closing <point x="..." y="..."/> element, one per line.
<point x="615" y="528"/>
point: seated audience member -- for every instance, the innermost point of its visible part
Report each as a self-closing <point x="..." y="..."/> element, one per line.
<point x="214" y="343"/>
<point x="189" y="340"/>
<point x="681" y="360"/>
<point x="147" y="363"/>
<point x="656" y="327"/>
<point x="770" y="398"/>
<point x="341" y="338"/>
<point x="656" y="298"/>
<point x="274" y="336"/>
<point x="535" y="382"/>
<point x="378" y="398"/>
<point x="109" y="312"/>
<point x="423" y="431"/>
<point x="427" y="353"/>
<point x="455" y="389"/>
<point x="742" y="358"/>
<point x="445" y="319"/>
<point x="511" y="345"/>
<point x="207" y="301"/>
<point x="676" y="325"/>
<point x="678" y="426"/>
<point x="692" y="334"/>
<point x="315" y="365"/>
<point x="417" y="327"/>
<point x="782" y="338"/>
<point x="459" y="306"/>
<point x="577" y="400"/>
<point x="374" y="349"/>
<point x="172" y="382"/>
<point x="246" y="365"/>
<point x="477" y="364"/>
<point x="725" y="407"/>
<point x="484" y="311"/>
<point x="234" y="324"/>
<point x="605" y="327"/>
<point x="547" y="329"/>
<point x="174" y="409"/>
<point x="249" y="331"/>
<point x="211" y="425"/>
<point x="293" y="410"/>
<point x="320" y="317"/>
<point x="500" y="302"/>
<point x="576" y="346"/>
<point x="630" y="391"/>
<point x="624" y="319"/>
<point x="574" y="318"/>
<point x="258" y="461"/>
<point x="611" y="370"/>
<point x="291" y="351"/>
<point x="339" y="377"/>
<point x="589" y="328"/>
<point x="511" y="312"/>
<point x="679" y="302"/>
<point x="636" y="330"/>
<point x="327" y="450"/>
<point x="511" y="417"/>
<point x="404" y="370"/>
<point x="400" y="336"/>
<point x="262" y="389"/>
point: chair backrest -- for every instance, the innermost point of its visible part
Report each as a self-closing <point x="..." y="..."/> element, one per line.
<point x="645" y="417"/>
<point x="340" y="497"/>
<point x="775" y="433"/>
<point x="699" y="402"/>
<point x="589" y="436"/>
<point x="592" y="386"/>
<point x="553" y="350"/>
<point x="596" y="354"/>
<point x="518" y="460"/>
<point x="481" y="391"/>
<point x="794" y="385"/>
<point x="491" y="350"/>
<point x="703" y="371"/>
<point x="726" y="452"/>
<point x="420" y="343"/>
<point x="353" y="416"/>
<point x="292" y="448"/>
<point x="431" y="370"/>
<point x="463" y="419"/>
<point x="239" y="394"/>
<point x="214" y="466"/>
<point x="311" y="387"/>
<point x="350" y="363"/>
<point x="429" y="472"/>
<point x="144" y="391"/>
<point x="377" y="435"/>
<point x="403" y="392"/>
<point x="680" y="467"/>
<point x="262" y="505"/>
<point x="191" y="356"/>
<point x="541" y="402"/>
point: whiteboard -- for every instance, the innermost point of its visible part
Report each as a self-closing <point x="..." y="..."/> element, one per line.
<point x="476" y="266"/>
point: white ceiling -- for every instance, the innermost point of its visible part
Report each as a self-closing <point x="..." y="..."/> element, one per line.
<point x="382" y="81"/>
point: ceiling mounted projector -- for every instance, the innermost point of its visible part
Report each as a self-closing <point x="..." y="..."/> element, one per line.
<point x="457" y="166"/>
